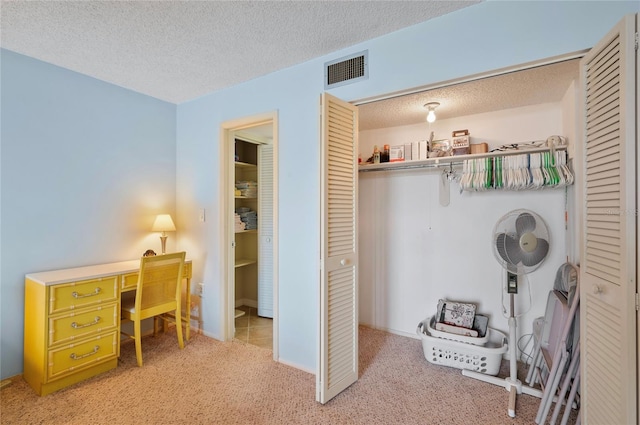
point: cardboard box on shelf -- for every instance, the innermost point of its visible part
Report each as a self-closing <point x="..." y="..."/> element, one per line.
<point x="423" y="150"/>
<point x="479" y="147"/>
<point x="407" y="152"/>
<point x="396" y="153"/>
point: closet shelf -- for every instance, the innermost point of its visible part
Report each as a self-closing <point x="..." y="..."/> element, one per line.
<point x="241" y="262"/>
<point x="247" y="231"/>
<point x="448" y="160"/>
<point x="244" y="165"/>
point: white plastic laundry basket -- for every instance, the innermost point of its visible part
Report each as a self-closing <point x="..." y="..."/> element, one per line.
<point x="485" y="359"/>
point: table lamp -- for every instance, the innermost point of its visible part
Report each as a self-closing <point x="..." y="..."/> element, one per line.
<point x="163" y="223"/>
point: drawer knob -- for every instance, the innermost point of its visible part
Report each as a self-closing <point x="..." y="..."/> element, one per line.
<point x="74" y="325"/>
<point x="74" y="294"/>
<point x="74" y="356"/>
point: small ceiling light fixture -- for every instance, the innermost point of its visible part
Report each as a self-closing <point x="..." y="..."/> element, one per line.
<point x="431" y="107"/>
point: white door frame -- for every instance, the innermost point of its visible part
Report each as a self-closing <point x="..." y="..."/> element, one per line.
<point x="227" y="176"/>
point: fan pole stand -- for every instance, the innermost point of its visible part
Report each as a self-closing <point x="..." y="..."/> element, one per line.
<point x="511" y="384"/>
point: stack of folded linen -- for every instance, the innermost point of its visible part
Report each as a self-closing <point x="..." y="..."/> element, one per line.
<point x="239" y="225"/>
<point x="250" y="218"/>
<point x="248" y="189"/>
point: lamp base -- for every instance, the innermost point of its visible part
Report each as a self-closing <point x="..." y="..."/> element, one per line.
<point x="163" y="239"/>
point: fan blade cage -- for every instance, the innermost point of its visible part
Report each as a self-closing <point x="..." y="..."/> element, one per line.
<point x="532" y="259"/>
<point x="508" y="251"/>
<point x="521" y="241"/>
<point x="525" y="223"/>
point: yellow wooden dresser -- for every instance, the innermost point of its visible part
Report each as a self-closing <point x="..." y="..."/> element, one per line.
<point x="72" y="322"/>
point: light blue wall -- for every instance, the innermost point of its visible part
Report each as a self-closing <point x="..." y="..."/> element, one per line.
<point x="85" y="166"/>
<point x="477" y="39"/>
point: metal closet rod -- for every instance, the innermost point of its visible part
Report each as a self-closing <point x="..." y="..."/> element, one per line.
<point x="445" y="161"/>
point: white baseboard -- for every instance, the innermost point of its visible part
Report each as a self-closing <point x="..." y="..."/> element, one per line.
<point x="392" y="331"/>
<point x="297" y="366"/>
<point x="247" y="302"/>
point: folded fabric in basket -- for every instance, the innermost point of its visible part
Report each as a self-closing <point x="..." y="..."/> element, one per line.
<point x="457" y="330"/>
<point x="456" y="313"/>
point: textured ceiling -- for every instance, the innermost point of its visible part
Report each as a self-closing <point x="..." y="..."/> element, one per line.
<point x="181" y="50"/>
<point x="544" y="84"/>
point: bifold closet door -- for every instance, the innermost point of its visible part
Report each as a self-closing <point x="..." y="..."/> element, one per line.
<point x="338" y="357"/>
<point x="608" y="258"/>
<point x="265" y="230"/>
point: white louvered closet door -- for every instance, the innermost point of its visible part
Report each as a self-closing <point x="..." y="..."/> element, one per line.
<point x="338" y="359"/>
<point x="265" y="230"/>
<point x="608" y="267"/>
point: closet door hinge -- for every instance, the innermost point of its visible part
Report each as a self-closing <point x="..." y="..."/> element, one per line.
<point x="637" y="42"/>
<point x="637" y="301"/>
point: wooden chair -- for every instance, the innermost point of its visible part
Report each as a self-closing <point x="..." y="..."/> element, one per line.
<point x="158" y="292"/>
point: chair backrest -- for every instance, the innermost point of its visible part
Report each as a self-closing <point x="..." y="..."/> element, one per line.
<point x="567" y="281"/>
<point x="159" y="280"/>
<point x="561" y="319"/>
<point x="555" y="317"/>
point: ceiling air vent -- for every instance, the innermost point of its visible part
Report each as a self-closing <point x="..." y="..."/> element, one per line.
<point x="346" y="70"/>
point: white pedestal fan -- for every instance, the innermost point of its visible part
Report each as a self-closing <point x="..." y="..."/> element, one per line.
<point x="520" y="244"/>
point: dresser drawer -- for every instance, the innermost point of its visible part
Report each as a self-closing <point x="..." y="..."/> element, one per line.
<point x="74" y="357"/>
<point x="69" y="296"/>
<point x="129" y="282"/>
<point x="82" y="323"/>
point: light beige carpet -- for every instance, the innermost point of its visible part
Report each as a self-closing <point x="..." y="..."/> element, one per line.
<point x="211" y="382"/>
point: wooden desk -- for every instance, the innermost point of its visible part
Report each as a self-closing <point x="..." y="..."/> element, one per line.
<point x="72" y="322"/>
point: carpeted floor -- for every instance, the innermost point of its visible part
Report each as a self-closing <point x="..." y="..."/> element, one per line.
<point x="211" y="382"/>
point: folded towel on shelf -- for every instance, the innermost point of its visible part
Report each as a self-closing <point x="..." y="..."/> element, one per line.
<point x="239" y="225"/>
<point x="248" y="189"/>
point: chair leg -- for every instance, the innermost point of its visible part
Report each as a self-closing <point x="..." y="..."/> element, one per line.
<point x="179" y="328"/>
<point x="138" y="339"/>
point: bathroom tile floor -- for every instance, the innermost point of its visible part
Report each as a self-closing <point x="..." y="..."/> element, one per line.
<point x="254" y="329"/>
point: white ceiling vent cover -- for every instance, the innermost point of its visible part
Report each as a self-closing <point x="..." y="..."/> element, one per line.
<point x="346" y="70"/>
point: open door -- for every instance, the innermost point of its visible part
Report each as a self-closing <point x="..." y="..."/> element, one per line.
<point x="338" y="357"/>
<point x="609" y="254"/>
<point x="266" y="208"/>
<point x="249" y="146"/>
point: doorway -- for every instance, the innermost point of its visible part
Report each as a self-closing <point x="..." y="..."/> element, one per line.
<point x="249" y="245"/>
<point x="380" y="304"/>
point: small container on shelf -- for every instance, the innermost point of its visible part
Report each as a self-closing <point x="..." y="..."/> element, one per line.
<point x="479" y="148"/>
<point x="376" y="155"/>
<point x="396" y="153"/>
<point x="460" y="142"/>
<point x="384" y="155"/>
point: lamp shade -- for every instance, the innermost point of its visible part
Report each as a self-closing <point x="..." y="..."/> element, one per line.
<point x="163" y="223"/>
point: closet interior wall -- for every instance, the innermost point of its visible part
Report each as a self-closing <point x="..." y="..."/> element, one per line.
<point x="415" y="251"/>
